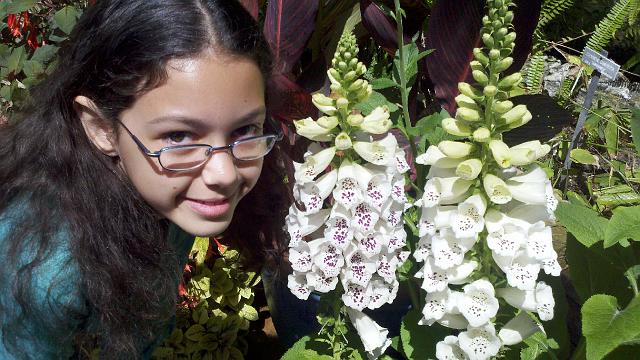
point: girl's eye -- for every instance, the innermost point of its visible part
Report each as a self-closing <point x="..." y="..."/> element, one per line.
<point x="248" y="131"/>
<point x="177" y="138"/>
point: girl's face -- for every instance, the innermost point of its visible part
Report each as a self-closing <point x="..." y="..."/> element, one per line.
<point x="212" y="100"/>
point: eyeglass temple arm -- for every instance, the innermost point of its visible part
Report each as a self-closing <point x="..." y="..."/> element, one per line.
<point x="139" y="143"/>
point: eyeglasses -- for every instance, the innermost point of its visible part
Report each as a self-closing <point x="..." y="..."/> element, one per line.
<point x="189" y="157"/>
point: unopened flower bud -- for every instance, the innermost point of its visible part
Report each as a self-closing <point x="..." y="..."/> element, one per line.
<point x="482" y="135"/>
<point x="510" y="81"/>
<point x="467" y="114"/>
<point x="469" y="169"/>
<point x="500" y="152"/>
<point x="334" y="75"/>
<point x="361" y="69"/>
<point x="514" y="114"/>
<point x="351" y="75"/>
<point x="465" y="101"/>
<point x="342" y="103"/>
<point x="342" y="65"/>
<point x="480" y="56"/>
<point x="508" y="17"/>
<point x="488" y="40"/>
<point x="494" y="54"/>
<point x="311" y="130"/>
<point x="377" y="122"/>
<point x="480" y="77"/>
<point x="343" y="141"/>
<point x="490" y="90"/>
<point x="504" y="64"/>
<point x="455" y="127"/>
<point x="523" y="120"/>
<point x="500" y="34"/>
<point x="455" y="149"/>
<point x="509" y="39"/>
<point x="469" y="90"/>
<point x="328" y="122"/>
<point x="503" y="106"/>
<point x="357" y="85"/>
<point x="522" y="156"/>
<point x="476" y="65"/>
<point x="538" y="148"/>
<point x="355" y="119"/>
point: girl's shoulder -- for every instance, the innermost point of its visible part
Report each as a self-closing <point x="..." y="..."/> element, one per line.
<point x="55" y="304"/>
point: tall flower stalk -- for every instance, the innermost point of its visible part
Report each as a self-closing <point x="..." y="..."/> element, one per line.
<point x="484" y="232"/>
<point x="346" y="226"/>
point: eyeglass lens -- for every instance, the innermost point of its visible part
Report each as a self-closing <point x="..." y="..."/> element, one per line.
<point x="185" y="158"/>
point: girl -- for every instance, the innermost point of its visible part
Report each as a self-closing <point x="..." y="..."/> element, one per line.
<point x="151" y="130"/>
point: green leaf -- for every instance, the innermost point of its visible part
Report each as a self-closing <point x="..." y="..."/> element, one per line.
<point x="583" y="156"/>
<point x="32" y="68"/>
<point x="248" y="312"/>
<point x="195" y="332"/>
<point x="606" y="327"/>
<point x="419" y="341"/>
<point x="611" y="134"/>
<point x="632" y="275"/>
<point x="200" y="247"/>
<point x="44" y="53"/>
<point x="537" y="344"/>
<point x="584" y="223"/>
<point x="16" y="6"/>
<point x="382" y="83"/>
<point x="299" y="351"/>
<point x="16" y="59"/>
<point x="635" y="129"/>
<point x="376" y="99"/>
<point x="576" y="199"/>
<point x="624" y="224"/>
<point x="66" y="18"/>
<point x="596" y="270"/>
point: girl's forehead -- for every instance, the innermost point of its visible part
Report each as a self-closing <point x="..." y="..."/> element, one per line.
<point x="216" y="89"/>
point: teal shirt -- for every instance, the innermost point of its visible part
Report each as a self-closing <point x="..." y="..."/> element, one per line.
<point x="57" y="292"/>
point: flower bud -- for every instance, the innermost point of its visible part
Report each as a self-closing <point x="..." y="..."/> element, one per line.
<point x="510" y="81"/>
<point x="324" y="103"/>
<point x="351" y="75"/>
<point x="504" y="64"/>
<point x="494" y="54"/>
<point x="343" y="141"/>
<point x="523" y="120"/>
<point x="482" y="135"/>
<point x="377" y="122"/>
<point x="353" y="63"/>
<point x="469" y="169"/>
<point x="311" y="130"/>
<point x="480" y="77"/>
<point x="465" y="101"/>
<point x="476" y="65"/>
<point x="514" y="114"/>
<point x="469" y="90"/>
<point x="342" y="103"/>
<point x="361" y="69"/>
<point x="490" y="90"/>
<point x="502" y="106"/>
<point x="500" y="152"/>
<point x="500" y="34"/>
<point x="455" y="149"/>
<point x="487" y="40"/>
<point x="480" y="56"/>
<point x="355" y="119"/>
<point x="334" y="76"/>
<point x="455" y="127"/>
<point x="467" y="114"/>
<point x="509" y="39"/>
<point x="538" y="148"/>
<point x="357" y="85"/>
<point x="496" y="189"/>
<point x="328" y="122"/>
<point x="508" y="17"/>
<point x="342" y="65"/>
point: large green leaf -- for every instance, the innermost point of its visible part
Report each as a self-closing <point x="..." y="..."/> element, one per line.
<point x="16" y="59"/>
<point x="376" y="99"/>
<point x="624" y="224"/>
<point x="611" y="134"/>
<point x="15" y="6"/>
<point x="596" y="270"/>
<point x="606" y="326"/>
<point x="44" y="53"/>
<point x="584" y="223"/>
<point x="419" y="341"/>
<point x="582" y="156"/>
<point x="299" y="351"/>
<point x="635" y="129"/>
<point x="66" y="18"/>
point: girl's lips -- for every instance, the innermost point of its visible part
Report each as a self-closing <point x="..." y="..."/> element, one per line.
<point x="210" y="209"/>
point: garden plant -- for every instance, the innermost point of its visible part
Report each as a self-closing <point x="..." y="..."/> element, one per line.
<point x="427" y="169"/>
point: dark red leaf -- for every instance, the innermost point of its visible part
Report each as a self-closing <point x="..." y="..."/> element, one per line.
<point x="288" y="101"/>
<point x="288" y="25"/>
<point x="525" y="20"/>
<point x="32" y="39"/>
<point x="251" y="6"/>
<point x="454" y="30"/>
<point x="379" y="26"/>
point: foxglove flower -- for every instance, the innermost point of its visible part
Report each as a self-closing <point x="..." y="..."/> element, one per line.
<point x="373" y="336"/>
<point x="519" y="328"/>
<point x="479" y="343"/>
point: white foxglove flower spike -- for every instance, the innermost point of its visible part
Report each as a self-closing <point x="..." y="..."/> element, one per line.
<point x="478" y="304"/>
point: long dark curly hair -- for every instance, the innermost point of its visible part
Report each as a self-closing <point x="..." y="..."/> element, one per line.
<point x="127" y="270"/>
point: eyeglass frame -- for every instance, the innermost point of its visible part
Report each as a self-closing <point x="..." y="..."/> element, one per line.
<point x="211" y="149"/>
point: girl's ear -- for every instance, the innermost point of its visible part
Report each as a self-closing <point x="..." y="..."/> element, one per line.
<point x="98" y="129"/>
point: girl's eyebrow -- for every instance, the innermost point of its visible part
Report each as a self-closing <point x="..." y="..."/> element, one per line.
<point x="201" y="124"/>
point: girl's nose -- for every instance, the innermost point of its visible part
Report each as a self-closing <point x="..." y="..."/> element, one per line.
<point x="220" y="170"/>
